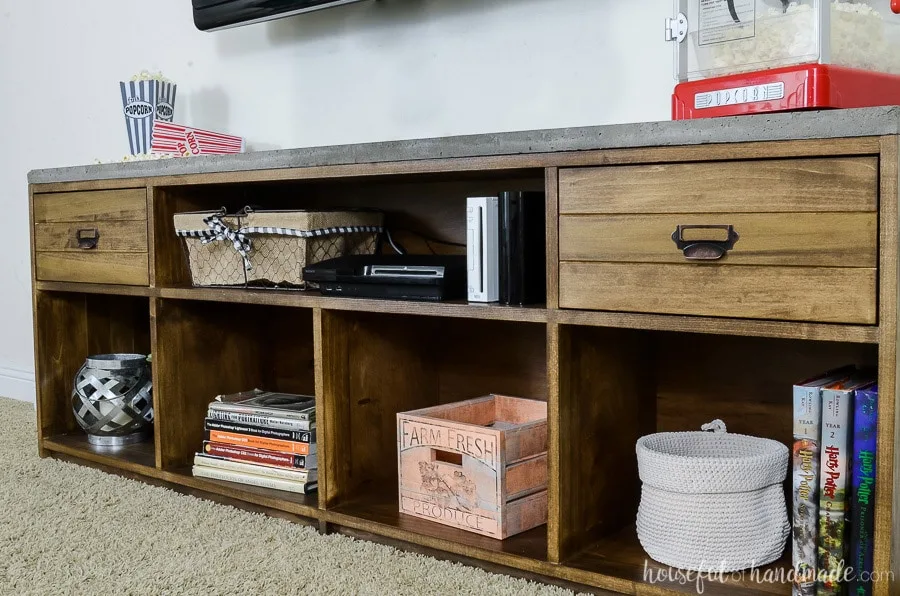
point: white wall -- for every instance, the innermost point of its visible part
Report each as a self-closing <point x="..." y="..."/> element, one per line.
<point x="380" y="70"/>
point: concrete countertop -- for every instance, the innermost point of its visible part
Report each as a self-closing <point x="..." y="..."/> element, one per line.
<point x="826" y="124"/>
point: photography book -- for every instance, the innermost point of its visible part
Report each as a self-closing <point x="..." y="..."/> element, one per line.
<point x="267" y="403"/>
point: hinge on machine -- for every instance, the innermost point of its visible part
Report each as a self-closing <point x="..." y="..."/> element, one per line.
<point x="676" y="29"/>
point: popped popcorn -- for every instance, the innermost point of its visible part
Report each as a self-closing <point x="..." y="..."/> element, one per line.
<point x="860" y="38"/>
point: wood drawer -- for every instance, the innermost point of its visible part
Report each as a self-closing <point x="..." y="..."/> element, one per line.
<point x="112" y="227"/>
<point x="763" y="186"/>
<point x="806" y="245"/>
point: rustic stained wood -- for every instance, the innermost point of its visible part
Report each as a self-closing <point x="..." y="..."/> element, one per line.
<point x="112" y="236"/>
<point x="95" y="206"/>
<point x="93" y="267"/>
<point x="809" y="239"/>
<point x="551" y="193"/>
<point x="745" y="291"/>
<point x="638" y="341"/>
<point x="887" y="495"/>
<point x="764" y="186"/>
<point x="601" y="416"/>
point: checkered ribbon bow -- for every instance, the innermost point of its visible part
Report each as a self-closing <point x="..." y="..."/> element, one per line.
<point x="238" y="238"/>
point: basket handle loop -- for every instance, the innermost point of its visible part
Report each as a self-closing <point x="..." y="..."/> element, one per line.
<point x="716" y="426"/>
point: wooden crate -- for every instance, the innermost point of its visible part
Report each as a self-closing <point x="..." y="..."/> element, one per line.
<point x="479" y="465"/>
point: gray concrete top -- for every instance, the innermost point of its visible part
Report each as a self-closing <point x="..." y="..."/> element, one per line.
<point x="826" y="124"/>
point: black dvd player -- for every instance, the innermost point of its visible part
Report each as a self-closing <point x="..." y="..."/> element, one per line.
<point x="397" y="277"/>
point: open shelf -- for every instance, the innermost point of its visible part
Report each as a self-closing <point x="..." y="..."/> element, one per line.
<point x="377" y="365"/>
<point x="213" y="348"/>
<point x="314" y="299"/>
<point x="300" y="504"/>
<point x="378" y="512"/>
<point x="616" y="385"/>
<point x="139" y="457"/>
<point x="620" y="555"/>
<point x="69" y="327"/>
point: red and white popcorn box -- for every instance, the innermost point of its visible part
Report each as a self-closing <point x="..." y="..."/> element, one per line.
<point x="185" y="141"/>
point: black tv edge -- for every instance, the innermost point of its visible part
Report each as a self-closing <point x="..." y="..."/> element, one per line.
<point x="211" y="15"/>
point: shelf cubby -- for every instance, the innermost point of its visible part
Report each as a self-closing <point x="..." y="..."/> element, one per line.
<point x="380" y="513"/>
<point x="376" y="365"/>
<point x="69" y="327"/>
<point x="616" y="385"/>
<point x="212" y="348"/>
<point x="430" y="204"/>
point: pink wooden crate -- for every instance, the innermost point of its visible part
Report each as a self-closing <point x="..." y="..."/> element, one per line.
<point x="479" y="465"/>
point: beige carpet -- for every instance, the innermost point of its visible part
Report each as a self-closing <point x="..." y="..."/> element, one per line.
<point x="68" y="529"/>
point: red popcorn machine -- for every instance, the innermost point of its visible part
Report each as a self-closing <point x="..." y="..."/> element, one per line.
<point x="750" y="56"/>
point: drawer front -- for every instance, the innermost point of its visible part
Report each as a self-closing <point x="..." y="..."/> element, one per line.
<point x="99" y="268"/>
<point x="765" y="186"/>
<point x="823" y="294"/>
<point x="793" y="239"/>
<point x="95" y="205"/>
<point x="796" y="239"/>
<point x="92" y="237"/>
<point x="103" y="236"/>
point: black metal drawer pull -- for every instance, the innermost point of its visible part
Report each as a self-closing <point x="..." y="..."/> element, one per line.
<point x="705" y="249"/>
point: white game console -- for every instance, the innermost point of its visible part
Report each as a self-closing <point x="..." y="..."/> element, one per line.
<point x="482" y="248"/>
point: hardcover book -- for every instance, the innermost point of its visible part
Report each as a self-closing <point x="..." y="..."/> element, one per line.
<point x="278" y="422"/>
<point x="253" y="479"/>
<point x="862" y="497"/>
<point x="837" y="402"/>
<point x="260" y="456"/>
<point x="267" y="403"/>
<point x="293" y="474"/>
<point x="805" y="456"/>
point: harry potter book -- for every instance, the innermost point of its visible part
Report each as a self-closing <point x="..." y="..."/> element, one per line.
<point x="862" y="497"/>
<point x="805" y="456"/>
<point x="837" y="403"/>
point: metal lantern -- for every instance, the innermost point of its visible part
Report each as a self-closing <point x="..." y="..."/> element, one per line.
<point x="112" y="399"/>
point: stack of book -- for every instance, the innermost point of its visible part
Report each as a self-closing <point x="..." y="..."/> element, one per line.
<point x="261" y="438"/>
<point x="835" y="418"/>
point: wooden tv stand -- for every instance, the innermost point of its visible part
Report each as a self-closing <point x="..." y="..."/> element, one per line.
<point x="633" y="339"/>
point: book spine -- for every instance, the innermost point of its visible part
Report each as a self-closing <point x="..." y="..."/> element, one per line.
<point x="833" y="489"/>
<point x="862" y="499"/>
<point x="308" y="415"/>
<point x="805" y="456"/>
<point x="292" y="474"/>
<point x="254" y="480"/>
<point x="304" y="436"/>
<point x="218" y="436"/>
<point x="268" y="421"/>
<point x="260" y="456"/>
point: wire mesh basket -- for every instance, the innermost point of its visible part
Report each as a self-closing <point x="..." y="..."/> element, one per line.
<point x="271" y="248"/>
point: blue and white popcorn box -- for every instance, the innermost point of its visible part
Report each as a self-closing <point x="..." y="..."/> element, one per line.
<point x="143" y="103"/>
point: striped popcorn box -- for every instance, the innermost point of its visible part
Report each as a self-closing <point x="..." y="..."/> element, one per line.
<point x="165" y="101"/>
<point x="185" y="141"/>
<point x="139" y="105"/>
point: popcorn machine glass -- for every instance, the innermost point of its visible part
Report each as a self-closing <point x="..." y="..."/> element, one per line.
<point x="745" y="56"/>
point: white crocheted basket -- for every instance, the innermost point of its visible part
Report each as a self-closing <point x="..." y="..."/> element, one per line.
<point x="712" y="501"/>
